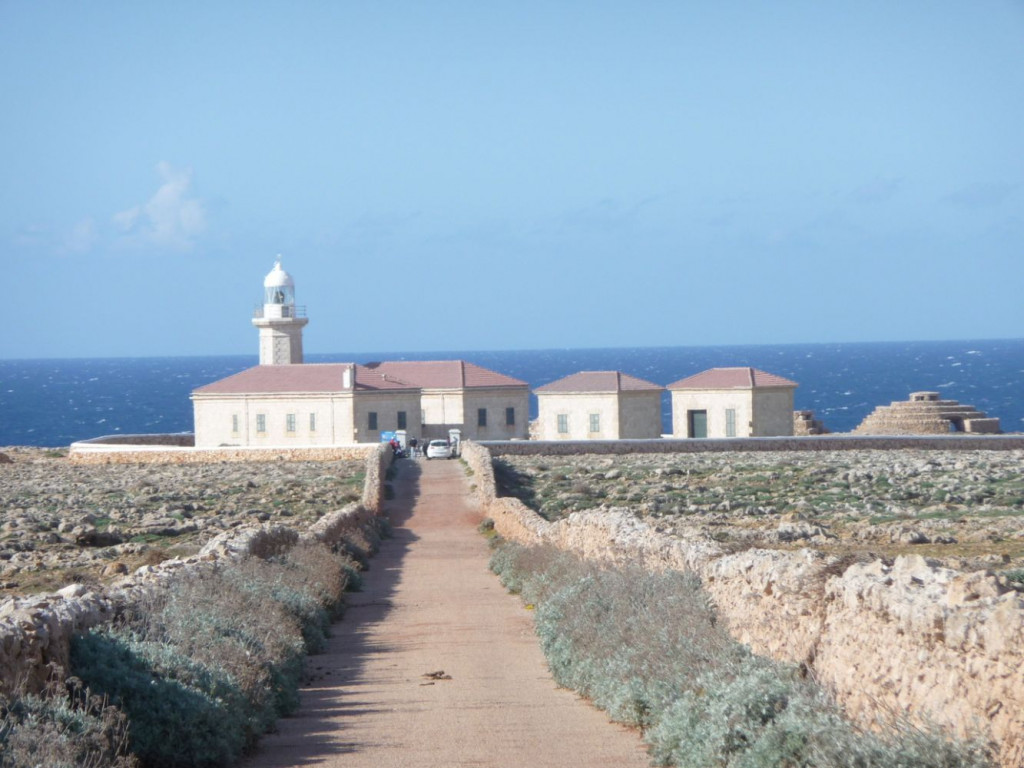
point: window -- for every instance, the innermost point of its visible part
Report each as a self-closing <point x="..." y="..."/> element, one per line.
<point x="289" y="423"/>
<point x="510" y="417"/>
<point x="261" y="423"/>
<point x="563" y="423"/>
<point x="730" y="422"/>
<point x="401" y="419"/>
<point x="481" y="417"/>
<point x="595" y="422"/>
<point x="234" y="423"/>
<point x="312" y="422"/>
<point x="371" y="421"/>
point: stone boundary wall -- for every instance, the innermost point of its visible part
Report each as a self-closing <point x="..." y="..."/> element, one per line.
<point x="909" y="638"/>
<point x="833" y="442"/>
<point x="160" y="449"/>
<point x="36" y="631"/>
<point x="175" y="439"/>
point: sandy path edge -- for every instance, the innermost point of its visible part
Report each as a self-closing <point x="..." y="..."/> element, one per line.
<point x="429" y="604"/>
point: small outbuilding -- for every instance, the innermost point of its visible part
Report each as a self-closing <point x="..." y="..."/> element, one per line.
<point x="598" y="405"/>
<point x="732" y="402"/>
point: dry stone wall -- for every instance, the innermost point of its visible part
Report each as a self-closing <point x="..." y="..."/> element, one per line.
<point x="36" y="631"/>
<point x="831" y="442"/>
<point x="165" y="449"/>
<point x="909" y="637"/>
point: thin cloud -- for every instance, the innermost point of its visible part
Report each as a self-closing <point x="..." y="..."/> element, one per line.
<point x="171" y="218"/>
<point x="82" y="237"/>
<point x="979" y="196"/>
<point x="880" y="190"/>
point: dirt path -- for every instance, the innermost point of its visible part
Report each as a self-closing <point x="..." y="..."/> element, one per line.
<point x="430" y="604"/>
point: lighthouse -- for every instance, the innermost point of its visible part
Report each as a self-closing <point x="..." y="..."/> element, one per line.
<point x="279" y="320"/>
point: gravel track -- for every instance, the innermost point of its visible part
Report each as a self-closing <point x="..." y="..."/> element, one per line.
<point x="435" y="664"/>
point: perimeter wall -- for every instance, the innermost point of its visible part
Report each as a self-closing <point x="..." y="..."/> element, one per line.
<point x="907" y="638"/>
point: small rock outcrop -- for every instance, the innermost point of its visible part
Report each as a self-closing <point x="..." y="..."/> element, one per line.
<point x="805" y="424"/>
<point x="925" y="414"/>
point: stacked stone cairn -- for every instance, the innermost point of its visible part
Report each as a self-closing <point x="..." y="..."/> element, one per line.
<point x="925" y="414"/>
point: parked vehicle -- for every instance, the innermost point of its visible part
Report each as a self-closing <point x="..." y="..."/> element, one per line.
<point x="439" y="449"/>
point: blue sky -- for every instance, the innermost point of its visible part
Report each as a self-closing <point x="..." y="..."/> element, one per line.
<point x="510" y="175"/>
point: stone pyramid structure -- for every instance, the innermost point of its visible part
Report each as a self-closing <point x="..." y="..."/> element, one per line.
<point x="925" y="414"/>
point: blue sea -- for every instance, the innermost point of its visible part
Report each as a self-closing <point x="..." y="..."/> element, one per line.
<point x="56" y="402"/>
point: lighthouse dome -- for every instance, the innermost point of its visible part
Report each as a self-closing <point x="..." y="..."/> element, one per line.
<point x="278" y="278"/>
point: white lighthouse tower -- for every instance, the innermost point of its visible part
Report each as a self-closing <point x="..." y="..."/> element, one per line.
<point x="279" y="320"/>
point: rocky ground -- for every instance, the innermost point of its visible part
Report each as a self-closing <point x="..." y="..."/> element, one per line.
<point x="62" y="523"/>
<point x="963" y="508"/>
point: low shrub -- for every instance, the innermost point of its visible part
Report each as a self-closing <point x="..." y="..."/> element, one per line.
<point x="649" y="649"/>
<point x="361" y="543"/>
<point x="217" y="657"/>
<point x="182" y="712"/>
<point x="63" y="728"/>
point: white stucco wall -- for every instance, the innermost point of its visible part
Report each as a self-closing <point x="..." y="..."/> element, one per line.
<point x="341" y="418"/>
<point x="716" y="403"/>
<point x="442" y="410"/>
<point x="760" y="412"/>
<point x="577" y="406"/>
<point x="458" y="409"/>
<point x="213" y="420"/>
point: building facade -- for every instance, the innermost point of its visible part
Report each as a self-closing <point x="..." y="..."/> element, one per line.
<point x="732" y="402"/>
<point x="598" y="405"/>
<point x="483" y="404"/>
<point x="302" y="405"/>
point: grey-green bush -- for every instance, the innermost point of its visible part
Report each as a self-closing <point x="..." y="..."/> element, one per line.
<point x="649" y="649"/>
<point x="217" y="657"/>
<point x="62" y="729"/>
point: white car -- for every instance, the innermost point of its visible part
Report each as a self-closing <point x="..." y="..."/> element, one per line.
<point x="438" y="449"/>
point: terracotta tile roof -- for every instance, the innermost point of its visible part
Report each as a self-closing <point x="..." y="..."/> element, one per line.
<point x="308" y="377"/>
<point x="599" y="381"/>
<point x="732" y="378"/>
<point x="444" y="374"/>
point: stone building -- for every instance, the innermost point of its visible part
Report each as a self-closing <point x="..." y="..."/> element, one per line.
<point x="926" y="414"/>
<point x="455" y="394"/>
<point x="303" y="405"/>
<point x="732" y="402"/>
<point x="598" y="405"/>
<point x="286" y="402"/>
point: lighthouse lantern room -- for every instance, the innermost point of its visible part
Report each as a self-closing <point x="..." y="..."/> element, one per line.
<point x="279" y="320"/>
